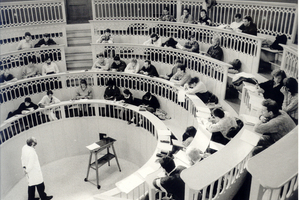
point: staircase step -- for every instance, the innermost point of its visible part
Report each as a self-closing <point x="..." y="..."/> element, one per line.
<point x="80" y="65"/>
<point x="79" y="41"/>
<point x="83" y="26"/>
<point x="80" y="33"/>
<point x="79" y="56"/>
<point x="85" y="49"/>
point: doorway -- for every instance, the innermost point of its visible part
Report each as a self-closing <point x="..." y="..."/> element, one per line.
<point x="78" y="11"/>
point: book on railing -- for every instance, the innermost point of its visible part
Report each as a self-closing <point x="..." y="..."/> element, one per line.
<point x="166" y="147"/>
<point x="203" y="112"/>
<point x="249" y="119"/>
<point x="93" y="146"/>
<point x="130" y="183"/>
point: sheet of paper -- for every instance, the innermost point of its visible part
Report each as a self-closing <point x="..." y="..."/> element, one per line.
<point x="181" y="95"/>
<point x="181" y="155"/>
<point x="201" y="139"/>
<point x="163" y="132"/>
<point x="256" y="101"/>
<point x="129" y="183"/>
<point x="250" y="137"/>
<point x="249" y="119"/>
<point x="144" y="172"/>
<point x="164" y="146"/>
<point x="177" y="143"/>
<point x="92" y="146"/>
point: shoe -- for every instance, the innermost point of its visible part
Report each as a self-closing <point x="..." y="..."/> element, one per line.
<point x="48" y="197"/>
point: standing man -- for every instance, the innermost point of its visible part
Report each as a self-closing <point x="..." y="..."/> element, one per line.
<point x="32" y="169"/>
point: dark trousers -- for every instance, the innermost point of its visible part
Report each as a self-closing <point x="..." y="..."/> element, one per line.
<point x="40" y="189"/>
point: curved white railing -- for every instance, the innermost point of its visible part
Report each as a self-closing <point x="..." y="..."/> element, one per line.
<point x="272" y="18"/>
<point x="289" y="61"/>
<point x="263" y="167"/>
<point x="235" y="45"/>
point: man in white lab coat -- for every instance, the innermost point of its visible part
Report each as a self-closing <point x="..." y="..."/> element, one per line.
<point x="32" y="169"/>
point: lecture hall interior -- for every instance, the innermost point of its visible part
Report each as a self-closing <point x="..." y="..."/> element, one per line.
<point x="149" y="99"/>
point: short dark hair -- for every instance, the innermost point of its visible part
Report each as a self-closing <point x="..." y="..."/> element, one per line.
<point x="47" y="57"/>
<point x="191" y="36"/>
<point x="111" y="82"/>
<point x="49" y="92"/>
<point x="107" y="30"/>
<point x="187" y="9"/>
<point x="193" y="80"/>
<point x="83" y="81"/>
<point x="148" y="61"/>
<point x="27" y="34"/>
<point x="291" y="84"/>
<point x="100" y="55"/>
<point x="126" y="91"/>
<point x="238" y="15"/>
<point x="154" y="35"/>
<point x="117" y="58"/>
<point x="189" y="132"/>
<point x="248" y="18"/>
<point x="218" y="112"/>
<point x="47" y="35"/>
<point x="271" y="105"/>
<point x="166" y="8"/>
<point x="29" y="141"/>
<point x="167" y="163"/>
<point x="147" y="95"/>
<point x="203" y="10"/>
<point x="27" y="99"/>
<point x="182" y="67"/>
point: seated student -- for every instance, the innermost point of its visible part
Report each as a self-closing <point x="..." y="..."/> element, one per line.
<point x="112" y="92"/>
<point x="49" y="67"/>
<point x="118" y="65"/>
<point x="30" y="70"/>
<point x="150" y="102"/>
<point x="48" y="100"/>
<point x="188" y="135"/>
<point x="133" y="66"/>
<point x="192" y="45"/>
<point x="106" y="37"/>
<point x="195" y="155"/>
<point x="154" y="40"/>
<point x="215" y="51"/>
<point x="6" y="76"/>
<point x="171" y="42"/>
<point x="181" y="77"/>
<point x="273" y="125"/>
<point x="83" y="92"/>
<point x="148" y="69"/>
<point x="290" y="101"/>
<point x="101" y="63"/>
<point x="271" y="89"/>
<point x="204" y="19"/>
<point x="127" y="97"/>
<point x="186" y="17"/>
<point x="219" y="125"/>
<point x="236" y="66"/>
<point x="172" y="182"/>
<point x="24" y="108"/>
<point x="25" y="43"/>
<point x="166" y="15"/>
<point x="238" y="21"/>
<point x="46" y="41"/>
<point x="248" y="26"/>
<point x="178" y="62"/>
<point x="197" y="87"/>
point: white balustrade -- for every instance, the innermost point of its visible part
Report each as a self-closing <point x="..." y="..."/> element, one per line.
<point x="289" y="61"/>
<point x="24" y="13"/>
<point x="235" y="45"/>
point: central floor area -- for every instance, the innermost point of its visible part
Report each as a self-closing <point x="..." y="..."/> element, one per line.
<point x="64" y="179"/>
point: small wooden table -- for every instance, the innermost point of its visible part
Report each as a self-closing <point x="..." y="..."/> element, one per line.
<point x="97" y="147"/>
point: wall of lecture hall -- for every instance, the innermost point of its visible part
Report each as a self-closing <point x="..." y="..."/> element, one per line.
<point x="285" y="1"/>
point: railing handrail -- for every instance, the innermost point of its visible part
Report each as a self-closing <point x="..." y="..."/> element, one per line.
<point x="287" y="4"/>
<point x="28" y="2"/>
<point x="262" y="166"/>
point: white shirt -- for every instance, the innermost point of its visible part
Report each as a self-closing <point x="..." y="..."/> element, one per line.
<point x="149" y="42"/>
<point x="30" y="160"/>
<point x="47" y="101"/>
<point x="236" y="25"/>
<point x="131" y="68"/>
<point x="49" y="68"/>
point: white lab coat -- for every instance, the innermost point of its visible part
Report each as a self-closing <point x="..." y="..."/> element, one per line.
<point x="31" y="162"/>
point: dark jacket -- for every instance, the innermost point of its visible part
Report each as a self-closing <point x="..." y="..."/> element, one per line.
<point x="120" y="68"/>
<point x="42" y="41"/>
<point x="272" y="92"/>
<point x="251" y="29"/>
<point x="151" y="70"/>
<point x="153" y="102"/>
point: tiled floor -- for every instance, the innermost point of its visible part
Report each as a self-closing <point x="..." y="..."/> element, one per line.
<point x="64" y="179"/>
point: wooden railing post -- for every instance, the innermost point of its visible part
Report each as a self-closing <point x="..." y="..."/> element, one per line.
<point x="178" y="11"/>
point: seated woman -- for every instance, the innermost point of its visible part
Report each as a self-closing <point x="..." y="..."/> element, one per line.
<point x="83" y="92"/>
<point x="204" y="19"/>
<point x="271" y="89"/>
<point x="25" y="43"/>
<point x="101" y="63"/>
<point x="133" y="66"/>
<point x="219" y="125"/>
<point x="112" y="92"/>
<point x="197" y="87"/>
<point x="48" y="100"/>
<point x="49" y="67"/>
<point x="290" y="101"/>
<point x="106" y="37"/>
<point x="30" y="70"/>
<point x="181" y="77"/>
